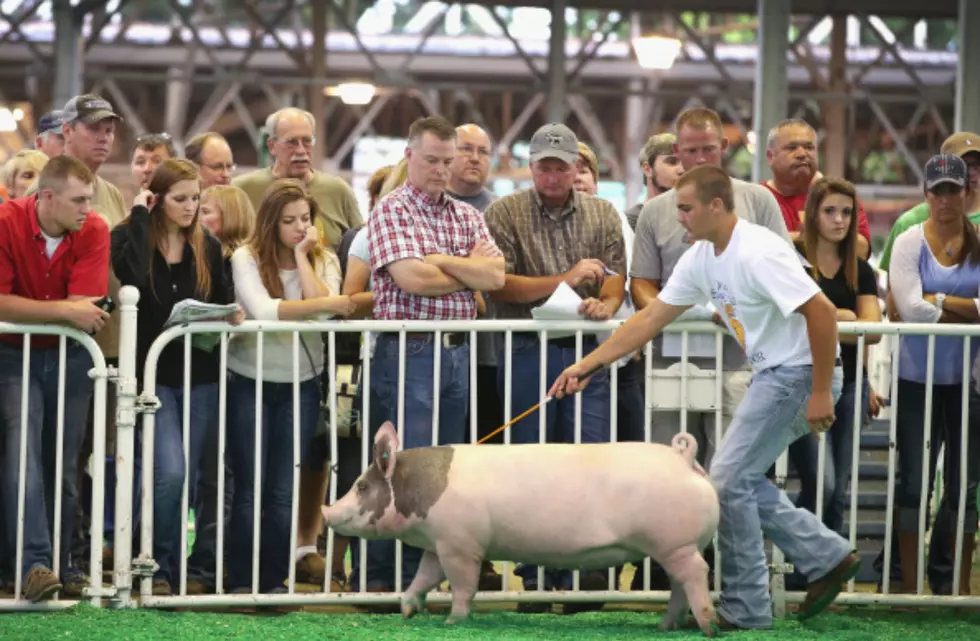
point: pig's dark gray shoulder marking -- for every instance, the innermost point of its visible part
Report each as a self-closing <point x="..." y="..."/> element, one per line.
<point x="377" y="496"/>
<point x="421" y="477"/>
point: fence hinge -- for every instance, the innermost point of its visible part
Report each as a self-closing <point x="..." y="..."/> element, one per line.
<point x="144" y="566"/>
<point x="146" y="404"/>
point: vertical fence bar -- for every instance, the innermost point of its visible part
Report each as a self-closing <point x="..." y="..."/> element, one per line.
<point x="684" y="381"/>
<point x="257" y="462"/>
<point x="402" y="339"/>
<point x="895" y="346"/>
<point x="926" y="457"/>
<point x="474" y="408"/>
<point x="647" y="432"/>
<point x="366" y="354"/>
<point x="97" y="529"/>
<point x="294" y="503"/>
<point x="958" y="550"/>
<point x="576" y="575"/>
<point x="334" y="456"/>
<point x="185" y="494"/>
<point x="219" y="559"/>
<point x="59" y="462"/>
<point x="719" y="425"/>
<point x="858" y="414"/>
<point x="436" y="384"/>
<point x="25" y="386"/>
<point x="125" y="426"/>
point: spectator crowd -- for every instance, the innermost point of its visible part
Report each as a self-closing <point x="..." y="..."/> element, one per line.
<point x="288" y="242"/>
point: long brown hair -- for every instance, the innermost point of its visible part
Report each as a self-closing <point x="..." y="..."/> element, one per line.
<point x="264" y="243"/>
<point x="847" y="248"/>
<point x="169" y="173"/>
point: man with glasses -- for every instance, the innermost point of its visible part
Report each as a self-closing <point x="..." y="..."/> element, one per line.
<point x="211" y="152"/>
<point x="291" y="139"/>
<point x="149" y="153"/>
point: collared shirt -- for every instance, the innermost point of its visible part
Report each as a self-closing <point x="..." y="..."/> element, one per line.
<point x="78" y="267"/>
<point x="543" y="241"/>
<point x="408" y="224"/>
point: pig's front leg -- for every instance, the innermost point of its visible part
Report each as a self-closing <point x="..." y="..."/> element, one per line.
<point x="463" y="571"/>
<point x="428" y="576"/>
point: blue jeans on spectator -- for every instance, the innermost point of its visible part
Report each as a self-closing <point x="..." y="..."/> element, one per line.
<point x="277" y="466"/>
<point x="169" y="470"/>
<point x="771" y="416"/>
<point x="42" y="426"/>
<point x="202" y="563"/>
<point x="454" y="396"/>
<point x="559" y="414"/>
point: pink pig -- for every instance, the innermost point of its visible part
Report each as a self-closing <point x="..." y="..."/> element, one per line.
<point x="585" y="507"/>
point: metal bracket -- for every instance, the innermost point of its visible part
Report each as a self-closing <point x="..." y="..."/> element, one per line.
<point x="144" y="566"/>
<point x="146" y="404"/>
<point x="99" y="593"/>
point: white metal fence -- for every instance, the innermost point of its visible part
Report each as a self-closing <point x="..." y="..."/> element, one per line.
<point x="693" y="389"/>
<point x="27" y="429"/>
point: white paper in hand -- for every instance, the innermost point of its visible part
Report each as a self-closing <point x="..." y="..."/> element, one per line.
<point x="188" y="311"/>
<point x="562" y="305"/>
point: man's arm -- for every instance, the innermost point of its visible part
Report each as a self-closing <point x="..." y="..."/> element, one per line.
<point x="612" y="293"/>
<point x="423" y="279"/>
<point x="526" y="289"/>
<point x="644" y="291"/>
<point x="821" y="327"/>
<point x="479" y="273"/>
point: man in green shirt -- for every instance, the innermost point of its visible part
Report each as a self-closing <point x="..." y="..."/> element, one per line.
<point x="966" y="145"/>
<point x="291" y="140"/>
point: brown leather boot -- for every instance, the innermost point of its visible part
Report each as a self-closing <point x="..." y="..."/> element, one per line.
<point x="966" y="561"/>
<point x="909" y="546"/>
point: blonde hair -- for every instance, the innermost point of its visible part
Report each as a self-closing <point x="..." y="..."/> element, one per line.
<point x="23" y="159"/>
<point x="375" y="183"/>
<point x="397" y="178"/>
<point x="588" y="158"/>
<point x="237" y="216"/>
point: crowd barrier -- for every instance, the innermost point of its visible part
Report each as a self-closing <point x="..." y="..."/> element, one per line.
<point x="682" y="387"/>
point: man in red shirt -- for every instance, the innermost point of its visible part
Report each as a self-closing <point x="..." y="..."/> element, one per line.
<point x="54" y="265"/>
<point x="792" y="153"/>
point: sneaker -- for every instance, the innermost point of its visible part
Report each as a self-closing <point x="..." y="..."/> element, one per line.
<point x="75" y="582"/>
<point x="41" y="584"/>
<point x="312" y="568"/>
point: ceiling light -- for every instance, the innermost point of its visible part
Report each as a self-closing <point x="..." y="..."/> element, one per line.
<point x="355" y="93"/>
<point x="656" y="52"/>
<point x="7" y="120"/>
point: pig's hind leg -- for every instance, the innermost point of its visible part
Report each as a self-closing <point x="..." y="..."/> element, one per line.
<point x="463" y="571"/>
<point x="688" y="570"/>
<point x="428" y="576"/>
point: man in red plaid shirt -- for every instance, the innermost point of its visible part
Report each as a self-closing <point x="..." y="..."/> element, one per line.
<point x="430" y="254"/>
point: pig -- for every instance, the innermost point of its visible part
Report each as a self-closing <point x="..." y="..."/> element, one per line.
<point x="566" y="506"/>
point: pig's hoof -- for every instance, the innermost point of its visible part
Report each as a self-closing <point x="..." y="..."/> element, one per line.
<point x="453" y="619"/>
<point x="411" y="607"/>
<point x="669" y="626"/>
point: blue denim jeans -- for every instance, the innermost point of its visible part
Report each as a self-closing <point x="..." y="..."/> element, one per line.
<point x="277" y="465"/>
<point x="42" y="426"/>
<point x="630" y="401"/>
<point x="772" y="415"/>
<point x="804" y="451"/>
<point x="454" y="396"/>
<point x="559" y="418"/>
<point x="169" y="470"/>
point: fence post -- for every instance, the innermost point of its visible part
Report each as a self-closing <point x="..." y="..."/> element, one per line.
<point x="125" y="425"/>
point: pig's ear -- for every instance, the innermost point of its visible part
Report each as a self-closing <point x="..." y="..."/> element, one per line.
<point x="385" y="446"/>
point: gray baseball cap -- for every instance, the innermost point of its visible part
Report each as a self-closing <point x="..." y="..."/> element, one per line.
<point x="554" y="140"/>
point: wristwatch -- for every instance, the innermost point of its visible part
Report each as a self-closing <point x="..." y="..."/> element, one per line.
<point x="940" y="300"/>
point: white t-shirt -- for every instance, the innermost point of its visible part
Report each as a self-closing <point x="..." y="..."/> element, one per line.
<point x="51" y="244"/>
<point x="277" y="348"/>
<point x="756" y="284"/>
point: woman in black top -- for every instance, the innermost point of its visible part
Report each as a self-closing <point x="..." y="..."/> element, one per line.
<point x="828" y="242"/>
<point x="162" y="250"/>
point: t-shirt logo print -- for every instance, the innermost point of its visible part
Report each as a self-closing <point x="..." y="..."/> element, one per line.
<point x="737" y="328"/>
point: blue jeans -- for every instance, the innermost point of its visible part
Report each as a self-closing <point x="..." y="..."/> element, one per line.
<point x="454" y="396"/>
<point x="277" y="466"/>
<point x="771" y="416"/>
<point x="804" y="451"/>
<point x="169" y="470"/>
<point x="560" y="414"/>
<point x="42" y="426"/>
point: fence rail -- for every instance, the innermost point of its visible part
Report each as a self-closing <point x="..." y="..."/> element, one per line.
<point x="695" y="390"/>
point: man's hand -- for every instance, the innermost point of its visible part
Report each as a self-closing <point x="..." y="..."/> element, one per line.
<point x="484" y="249"/>
<point x="594" y="309"/>
<point x="85" y="315"/>
<point x="571" y="381"/>
<point x="820" y="412"/>
<point x="312" y="238"/>
<point x="718" y="320"/>
<point x="929" y="298"/>
<point x="587" y="270"/>
<point x="875" y="403"/>
<point x="436" y="260"/>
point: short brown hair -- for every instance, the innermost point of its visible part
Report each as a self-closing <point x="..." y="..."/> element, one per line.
<point x="152" y="142"/>
<point x="709" y="182"/>
<point x="698" y="118"/>
<point x="196" y="145"/>
<point x="435" y="125"/>
<point x="59" y="169"/>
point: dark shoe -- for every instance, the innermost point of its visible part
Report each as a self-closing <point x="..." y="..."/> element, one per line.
<point x="197" y="586"/>
<point x="594" y="581"/>
<point x="74" y="582"/>
<point x="161" y="587"/>
<point x="490" y="581"/>
<point x="534" y="607"/>
<point x="41" y="584"/>
<point x="823" y="591"/>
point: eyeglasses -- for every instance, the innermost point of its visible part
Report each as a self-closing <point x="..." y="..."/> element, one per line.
<point x="469" y="150"/>
<point x="219" y="166"/>
<point x="294" y="143"/>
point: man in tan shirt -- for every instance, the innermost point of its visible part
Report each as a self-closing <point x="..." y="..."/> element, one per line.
<point x="291" y="139"/>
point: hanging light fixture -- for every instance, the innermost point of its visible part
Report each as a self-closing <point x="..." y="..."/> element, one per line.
<point x="657" y="52"/>
<point x="355" y="93"/>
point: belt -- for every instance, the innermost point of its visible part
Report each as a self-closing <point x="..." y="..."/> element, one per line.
<point x="449" y="339"/>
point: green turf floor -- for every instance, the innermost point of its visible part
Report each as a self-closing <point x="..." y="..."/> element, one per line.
<point x="86" y="622"/>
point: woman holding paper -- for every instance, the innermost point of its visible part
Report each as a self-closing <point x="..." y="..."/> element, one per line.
<point x="162" y="250"/>
<point x="282" y="273"/>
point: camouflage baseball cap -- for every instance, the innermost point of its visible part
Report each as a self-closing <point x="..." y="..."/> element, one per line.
<point x="89" y="108"/>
